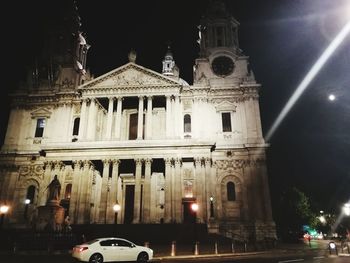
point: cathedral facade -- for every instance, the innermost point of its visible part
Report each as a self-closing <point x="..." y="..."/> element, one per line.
<point x="147" y="141"/>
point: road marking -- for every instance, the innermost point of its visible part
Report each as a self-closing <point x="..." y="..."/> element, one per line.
<point x="291" y="260"/>
<point x="319" y="257"/>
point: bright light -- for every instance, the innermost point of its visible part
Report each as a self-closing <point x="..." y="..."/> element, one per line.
<point x="309" y="77"/>
<point x="331" y="97"/>
<point x="116" y="207"/>
<point x="27" y="201"/>
<point x="194" y="207"/>
<point x="211" y="199"/>
<point x="332" y="245"/>
<point x="4" y="209"/>
<point x="322" y="219"/>
<point x="346" y="209"/>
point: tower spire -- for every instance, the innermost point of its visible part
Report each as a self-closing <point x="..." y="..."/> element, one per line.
<point x="168" y="63"/>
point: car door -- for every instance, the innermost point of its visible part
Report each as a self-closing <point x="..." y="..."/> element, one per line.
<point x="127" y="251"/>
<point x="109" y="250"/>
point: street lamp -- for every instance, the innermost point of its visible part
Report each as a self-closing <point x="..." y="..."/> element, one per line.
<point x="116" y="209"/>
<point x="27" y="202"/>
<point x="346" y="209"/>
<point x="3" y="211"/>
<point x="211" y="206"/>
<point x="194" y="208"/>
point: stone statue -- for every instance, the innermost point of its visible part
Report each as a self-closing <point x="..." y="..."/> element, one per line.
<point x="54" y="189"/>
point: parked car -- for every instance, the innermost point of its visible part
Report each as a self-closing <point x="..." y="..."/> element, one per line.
<point x="111" y="249"/>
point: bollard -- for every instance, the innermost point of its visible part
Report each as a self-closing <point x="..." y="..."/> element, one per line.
<point x="146" y="244"/>
<point x="332" y="246"/>
<point x="216" y="247"/>
<point x="196" y="248"/>
<point x="14" y="247"/>
<point x="245" y="246"/>
<point x="173" y="249"/>
<point x="233" y="246"/>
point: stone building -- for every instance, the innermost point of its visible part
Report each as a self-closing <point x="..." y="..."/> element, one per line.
<point x="148" y="141"/>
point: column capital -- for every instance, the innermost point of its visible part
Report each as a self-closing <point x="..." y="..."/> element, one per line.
<point x="197" y="162"/>
<point x="148" y="161"/>
<point x="77" y="164"/>
<point x="141" y="97"/>
<point x="115" y="162"/>
<point x="207" y="161"/>
<point x="138" y="161"/>
<point x="167" y="161"/>
<point x="106" y="162"/>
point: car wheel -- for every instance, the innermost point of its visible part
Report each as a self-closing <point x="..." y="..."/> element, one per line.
<point x="96" y="258"/>
<point x="142" y="257"/>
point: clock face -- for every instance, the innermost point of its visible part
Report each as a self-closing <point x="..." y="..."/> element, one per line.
<point x="222" y="66"/>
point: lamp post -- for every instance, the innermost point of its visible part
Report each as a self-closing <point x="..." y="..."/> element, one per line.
<point x="3" y="211"/>
<point x="116" y="209"/>
<point x="194" y="208"/>
<point x="211" y="206"/>
<point x="27" y="202"/>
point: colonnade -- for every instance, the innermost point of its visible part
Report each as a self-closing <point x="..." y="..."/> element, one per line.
<point x="93" y="114"/>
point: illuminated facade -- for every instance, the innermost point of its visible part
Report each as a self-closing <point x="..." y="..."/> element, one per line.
<point x="146" y="140"/>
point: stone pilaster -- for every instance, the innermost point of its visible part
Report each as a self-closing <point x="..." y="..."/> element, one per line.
<point x="83" y="118"/>
<point x="83" y="193"/>
<point x="104" y="192"/>
<point x="137" y="196"/>
<point x="147" y="191"/>
<point x="168" y="191"/>
<point x="74" y="194"/>
<point x="168" y="117"/>
<point x="118" y="120"/>
<point x="178" y="190"/>
<point x="199" y="188"/>
<point x="91" y="125"/>
<point x="149" y="125"/>
<point x="208" y="184"/>
<point x="109" y="118"/>
<point x="112" y="199"/>
<point x="46" y="182"/>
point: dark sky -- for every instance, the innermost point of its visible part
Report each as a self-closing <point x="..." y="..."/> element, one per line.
<point x="283" y="38"/>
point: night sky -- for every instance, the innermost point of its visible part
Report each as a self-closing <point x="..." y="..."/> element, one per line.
<point x="283" y="38"/>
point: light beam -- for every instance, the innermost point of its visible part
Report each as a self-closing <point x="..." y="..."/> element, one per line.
<point x="308" y="78"/>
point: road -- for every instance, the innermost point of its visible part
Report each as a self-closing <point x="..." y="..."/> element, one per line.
<point x="255" y="259"/>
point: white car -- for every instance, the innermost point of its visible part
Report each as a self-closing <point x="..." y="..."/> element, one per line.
<point x="111" y="249"/>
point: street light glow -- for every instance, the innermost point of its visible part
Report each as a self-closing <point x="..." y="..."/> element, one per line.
<point x="27" y="201"/>
<point x="346" y="209"/>
<point x="4" y="209"/>
<point x="116" y="207"/>
<point x="309" y="77"/>
<point x="194" y="207"/>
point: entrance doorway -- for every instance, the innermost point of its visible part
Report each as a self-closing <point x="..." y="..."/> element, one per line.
<point x="129" y="204"/>
<point x="189" y="214"/>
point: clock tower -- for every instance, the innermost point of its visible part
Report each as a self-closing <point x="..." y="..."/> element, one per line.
<point x="221" y="61"/>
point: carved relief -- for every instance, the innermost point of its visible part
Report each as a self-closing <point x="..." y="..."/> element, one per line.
<point x="31" y="170"/>
<point x="234" y="164"/>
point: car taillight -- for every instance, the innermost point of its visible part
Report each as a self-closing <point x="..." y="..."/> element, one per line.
<point x="80" y="249"/>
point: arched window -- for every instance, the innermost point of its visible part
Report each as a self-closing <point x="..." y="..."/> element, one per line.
<point x="187" y="123"/>
<point x="231" y="191"/>
<point x="68" y="191"/>
<point x="76" y="126"/>
<point x="31" y="193"/>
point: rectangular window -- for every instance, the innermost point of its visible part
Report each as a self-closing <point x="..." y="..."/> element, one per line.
<point x="226" y="122"/>
<point x="40" y="125"/>
<point x="219" y="36"/>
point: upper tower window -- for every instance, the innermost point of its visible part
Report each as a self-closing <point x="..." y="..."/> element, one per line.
<point x="40" y="125"/>
<point x="219" y="36"/>
<point x="226" y="122"/>
<point x="76" y="126"/>
<point x="187" y="123"/>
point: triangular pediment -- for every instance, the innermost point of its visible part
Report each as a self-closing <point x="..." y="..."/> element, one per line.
<point x="131" y="75"/>
<point x="225" y="106"/>
<point x="41" y="113"/>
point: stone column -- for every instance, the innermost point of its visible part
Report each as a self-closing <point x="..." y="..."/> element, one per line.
<point x="149" y="118"/>
<point x="177" y="117"/>
<point x="91" y="125"/>
<point x="199" y="188"/>
<point x="168" y="117"/>
<point x="203" y="203"/>
<point x="74" y="194"/>
<point x="266" y="193"/>
<point x="118" y="120"/>
<point x="83" y="118"/>
<point x="140" y="119"/>
<point x="147" y="191"/>
<point x="112" y="199"/>
<point x="83" y="193"/>
<point x="109" y="118"/>
<point x="178" y="190"/>
<point x="209" y="186"/>
<point x="104" y="192"/>
<point x="137" y="195"/>
<point x="168" y="190"/>
<point x="47" y="180"/>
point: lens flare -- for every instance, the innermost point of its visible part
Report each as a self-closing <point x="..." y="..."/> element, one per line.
<point x="308" y="78"/>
